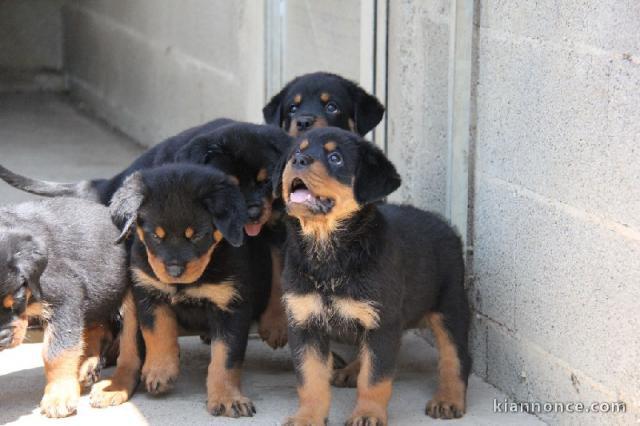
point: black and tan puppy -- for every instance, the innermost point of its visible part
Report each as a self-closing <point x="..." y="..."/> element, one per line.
<point x="322" y="99"/>
<point x="365" y="272"/>
<point x="188" y="268"/>
<point x="58" y="263"/>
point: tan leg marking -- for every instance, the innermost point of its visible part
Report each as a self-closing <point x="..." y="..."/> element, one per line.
<point x="161" y="364"/>
<point x="347" y="377"/>
<point x="363" y="312"/>
<point x="304" y="307"/>
<point x="62" y="391"/>
<point x="373" y="398"/>
<point x="449" y="400"/>
<point x="120" y="387"/>
<point x="273" y="321"/>
<point x="96" y="338"/>
<point x="314" y="393"/>
<point x="224" y="397"/>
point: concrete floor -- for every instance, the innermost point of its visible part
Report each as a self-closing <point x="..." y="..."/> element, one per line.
<point x="44" y="136"/>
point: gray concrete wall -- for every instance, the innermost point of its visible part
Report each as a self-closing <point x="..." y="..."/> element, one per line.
<point x="155" y="67"/>
<point x="417" y="99"/>
<point x="557" y="202"/>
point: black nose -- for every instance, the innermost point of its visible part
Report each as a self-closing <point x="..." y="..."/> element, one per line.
<point x="301" y="160"/>
<point x="254" y="212"/>
<point x="175" y="270"/>
<point x="6" y="336"/>
<point x="305" y="122"/>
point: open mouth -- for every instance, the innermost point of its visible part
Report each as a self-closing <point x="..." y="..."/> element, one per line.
<point x="299" y="193"/>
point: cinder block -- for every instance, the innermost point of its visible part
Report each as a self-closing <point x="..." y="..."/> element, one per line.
<point x="572" y="284"/>
<point x="417" y="107"/>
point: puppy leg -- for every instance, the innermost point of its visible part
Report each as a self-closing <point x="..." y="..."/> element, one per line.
<point x="96" y="338"/>
<point x="120" y="387"/>
<point x="162" y="358"/>
<point x="378" y="356"/>
<point x="312" y="361"/>
<point x="453" y="367"/>
<point x="62" y="352"/>
<point x="273" y="321"/>
<point x="230" y="332"/>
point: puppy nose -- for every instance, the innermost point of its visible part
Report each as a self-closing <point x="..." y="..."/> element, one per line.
<point x="254" y="212"/>
<point x="305" y="122"/>
<point x="175" y="270"/>
<point x="301" y="160"/>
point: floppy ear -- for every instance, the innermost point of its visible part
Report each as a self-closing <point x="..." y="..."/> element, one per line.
<point x="125" y="204"/>
<point x="272" y="112"/>
<point x="31" y="260"/>
<point x="375" y="176"/>
<point x="368" y="110"/>
<point x="195" y="152"/>
<point x="229" y="210"/>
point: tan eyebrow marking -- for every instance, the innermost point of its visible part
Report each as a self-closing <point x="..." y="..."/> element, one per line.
<point x="330" y="146"/>
<point x="304" y="145"/>
<point x="262" y="175"/>
<point x="160" y="232"/>
<point x="324" y="97"/>
<point x="297" y="99"/>
<point x="189" y="232"/>
<point x="217" y="235"/>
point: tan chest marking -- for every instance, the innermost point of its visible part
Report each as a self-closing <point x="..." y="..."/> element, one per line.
<point x="142" y="279"/>
<point x="306" y="307"/>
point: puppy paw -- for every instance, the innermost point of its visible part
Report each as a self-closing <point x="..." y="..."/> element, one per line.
<point x="345" y="377"/>
<point x="90" y="370"/>
<point x="107" y="393"/>
<point x="159" y="378"/>
<point x="365" y="420"/>
<point x="304" y="420"/>
<point x="60" y="399"/>
<point x="441" y="408"/>
<point x="230" y="406"/>
<point x="273" y="328"/>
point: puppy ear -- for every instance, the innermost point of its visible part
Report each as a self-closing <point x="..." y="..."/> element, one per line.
<point x="194" y="152"/>
<point x="375" y="176"/>
<point x="31" y="260"/>
<point x="125" y="204"/>
<point x="229" y="210"/>
<point x="272" y="112"/>
<point x="368" y="110"/>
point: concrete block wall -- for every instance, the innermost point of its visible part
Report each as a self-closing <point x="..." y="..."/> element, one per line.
<point x="556" y="223"/>
<point x="155" y="67"/>
<point x="417" y="99"/>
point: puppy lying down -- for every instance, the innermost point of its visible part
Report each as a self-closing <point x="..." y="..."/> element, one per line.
<point x="58" y="262"/>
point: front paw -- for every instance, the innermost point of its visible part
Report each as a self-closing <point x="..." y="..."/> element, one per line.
<point x="304" y="420"/>
<point x="272" y="328"/>
<point x="111" y="392"/>
<point x="90" y="370"/>
<point x="159" y="378"/>
<point x="231" y="406"/>
<point x="443" y="408"/>
<point x="60" y="399"/>
<point x="365" y="420"/>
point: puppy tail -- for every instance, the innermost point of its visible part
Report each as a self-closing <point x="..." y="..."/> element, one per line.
<point x="83" y="189"/>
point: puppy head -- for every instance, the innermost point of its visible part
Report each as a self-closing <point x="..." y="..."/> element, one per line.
<point x="247" y="153"/>
<point x="321" y="99"/>
<point x="23" y="259"/>
<point x="329" y="175"/>
<point x="180" y="213"/>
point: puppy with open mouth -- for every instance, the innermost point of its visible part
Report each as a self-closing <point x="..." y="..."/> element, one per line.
<point x="364" y="271"/>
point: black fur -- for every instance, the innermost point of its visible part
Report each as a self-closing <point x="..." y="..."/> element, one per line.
<point x="405" y="262"/>
<point x="351" y="102"/>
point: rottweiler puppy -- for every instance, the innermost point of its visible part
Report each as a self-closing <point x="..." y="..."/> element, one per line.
<point x="188" y="268"/>
<point x="362" y="271"/>
<point x="248" y="154"/>
<point x="58" y="263"/>
<point x="322" y="99"/>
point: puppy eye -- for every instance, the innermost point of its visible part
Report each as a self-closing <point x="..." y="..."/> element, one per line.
<point x="331" y="107"/>
<point x="293" y="108"/>
<point x="335" y="158"/>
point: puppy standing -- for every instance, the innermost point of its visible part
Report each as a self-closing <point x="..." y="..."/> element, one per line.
<point x="366" y="272"/>
<point x="58" y="262"/>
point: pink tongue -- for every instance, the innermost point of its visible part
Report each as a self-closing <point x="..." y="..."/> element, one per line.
<point x="300" y="196"/>
<point x="252" y="229"/>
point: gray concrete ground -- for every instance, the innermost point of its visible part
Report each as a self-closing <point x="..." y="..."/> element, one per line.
<point x="44" y="136"/>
